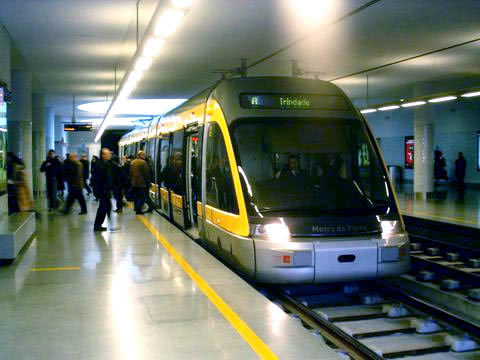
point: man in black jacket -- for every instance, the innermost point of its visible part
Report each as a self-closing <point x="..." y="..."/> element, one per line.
<point x="67" y="170"/>
<point x="52" y="167"/>
<point x="75" y="186"/>
<point x="86" y="172"/>
<point x="103" y="184"/>
<point x="460" y="167"/>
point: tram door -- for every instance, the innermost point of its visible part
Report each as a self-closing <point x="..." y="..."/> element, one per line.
<point x="162" y="173"/>
<point x="192" y="180"/>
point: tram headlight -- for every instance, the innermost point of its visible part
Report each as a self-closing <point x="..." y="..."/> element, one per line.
<point x="275" y="232"/>
<point x="390" y="228"/>
<point x="394" y="243"/>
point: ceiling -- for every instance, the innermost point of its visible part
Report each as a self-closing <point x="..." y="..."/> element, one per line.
<point x="74" y="46"/>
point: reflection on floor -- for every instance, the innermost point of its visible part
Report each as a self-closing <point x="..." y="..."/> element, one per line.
<point x="445" y="205"/>
<point x="75" y="294"/>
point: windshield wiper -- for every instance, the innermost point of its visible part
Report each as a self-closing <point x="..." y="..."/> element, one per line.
<point x="304" y="209"/>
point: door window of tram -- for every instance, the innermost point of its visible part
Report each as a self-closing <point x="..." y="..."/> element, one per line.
<point x="175" y="173"/>
<point x="220" y="189"/>
<point x="150" y="154"/>
<point x="197" y="164"/>
<point x="162" y="162"/>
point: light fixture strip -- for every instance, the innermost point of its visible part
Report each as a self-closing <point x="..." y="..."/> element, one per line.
<point x="413" y="103"/>
<point x="471" y="94"/>
<point x="368" y="111"/>
<point x="147" y="49"/>
<point x="389" y="107"/>
<point x="442" y="99"/>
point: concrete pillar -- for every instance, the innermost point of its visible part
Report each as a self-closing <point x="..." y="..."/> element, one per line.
<point x="60" y="137"/>
<point x="38" y="142"/>
<point x="423" y="179"/>
<point x="20" y="120"/>
<point x="49" y="128"/>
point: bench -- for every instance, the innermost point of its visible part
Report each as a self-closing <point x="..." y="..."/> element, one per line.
<point x="15" y="230"/>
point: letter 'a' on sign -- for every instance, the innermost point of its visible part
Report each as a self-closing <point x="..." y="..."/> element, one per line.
<point x="293" y="102"/>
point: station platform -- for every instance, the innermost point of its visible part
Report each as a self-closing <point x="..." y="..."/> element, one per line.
<point x="143" y="290"/>
<point x="445" y="205"/>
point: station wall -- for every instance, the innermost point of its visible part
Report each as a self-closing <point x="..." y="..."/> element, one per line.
<point x="83" y="142"/>
<point x="455" y="129"/>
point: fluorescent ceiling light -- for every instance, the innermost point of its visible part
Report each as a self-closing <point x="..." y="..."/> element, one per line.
<point x="168" y="22"/>
<point x="367" y="111"/>
<point x="143" y="63"/>
<point x="183" y="4"/>
<point x="153" y="47"/>
<point x="135" y="76"/>
<point x="389" y="107"/>
<point x="441" y="99"/>
<point x="134" y="107"/>
<point x="118" y="121"/>
<point x="471" y="94"/>
<point x="413" y="103"/>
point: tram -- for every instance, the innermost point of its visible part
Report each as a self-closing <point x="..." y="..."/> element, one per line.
<point x="281" y="177"/>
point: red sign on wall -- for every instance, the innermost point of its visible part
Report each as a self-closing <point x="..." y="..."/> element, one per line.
<point x="409" y="151"/>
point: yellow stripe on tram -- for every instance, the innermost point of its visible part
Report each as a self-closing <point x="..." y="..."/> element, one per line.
<point x="63" y="268"/>
<point x="242" y="328"/>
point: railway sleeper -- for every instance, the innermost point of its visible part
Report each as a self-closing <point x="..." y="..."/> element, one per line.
<point x="474" y="263"/>
<point x="450" y="284"/>
<point x="474" y="294"/>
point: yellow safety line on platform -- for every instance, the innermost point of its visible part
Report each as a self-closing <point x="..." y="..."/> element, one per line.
<point x="56" y="268"/>
<point x="448" y="218"/>
<point x="242" y="328"/>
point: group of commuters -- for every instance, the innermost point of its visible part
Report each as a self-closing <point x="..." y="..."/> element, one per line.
<point x="440" y="172"/>
<point x="108" y="179"/>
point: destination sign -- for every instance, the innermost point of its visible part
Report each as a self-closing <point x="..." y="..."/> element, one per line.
<point x="289" y="101"/>
<point x="78" y="127"/>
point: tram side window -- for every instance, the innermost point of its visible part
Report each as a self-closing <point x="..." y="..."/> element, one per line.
<point x="175" y="172"/>
<point x="220" y="189"/>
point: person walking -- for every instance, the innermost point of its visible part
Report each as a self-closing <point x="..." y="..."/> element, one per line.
<point x="68" y="170"/>
<point x="103" y="184"/>
<point x="460" y="167"/>
<point x="52" y="167"/>
<point x="140" y="181"/>
<point x="75" y="186"/>
<point x="86" y="172"/>
<point x="92" y="174"/>
<point x="14" y="164"/>
<point x="119" y="184"/>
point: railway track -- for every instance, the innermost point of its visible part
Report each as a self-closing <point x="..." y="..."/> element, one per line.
<point x="376" y="321"/>
<point x="452" y="268"/>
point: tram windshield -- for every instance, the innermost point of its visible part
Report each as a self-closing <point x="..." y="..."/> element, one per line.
<point x="297" y="167"/>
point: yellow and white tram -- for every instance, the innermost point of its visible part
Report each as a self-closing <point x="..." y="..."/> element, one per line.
<point x="281" y="177"/>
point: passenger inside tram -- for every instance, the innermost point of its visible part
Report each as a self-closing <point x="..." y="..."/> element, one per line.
<point x="291" y="169"/>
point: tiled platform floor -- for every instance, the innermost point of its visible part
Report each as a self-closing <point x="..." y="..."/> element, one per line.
<point x="121" y="295"/>
<point x="445" y="205"/>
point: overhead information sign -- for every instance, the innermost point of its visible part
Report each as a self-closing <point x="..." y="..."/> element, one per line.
<point x="292" y="101"/>
<point x="78" y="127"/>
